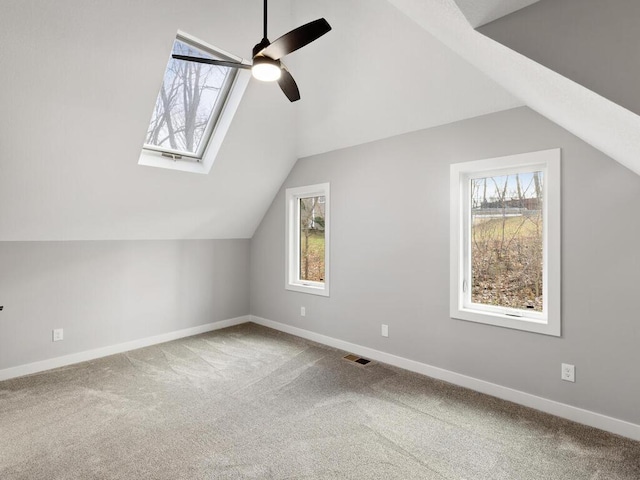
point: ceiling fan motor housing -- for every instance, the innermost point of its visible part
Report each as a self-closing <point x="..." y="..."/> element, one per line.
<point x="264" y="43"/>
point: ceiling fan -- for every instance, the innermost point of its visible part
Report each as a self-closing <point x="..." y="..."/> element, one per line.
<point x="266" y="64"/>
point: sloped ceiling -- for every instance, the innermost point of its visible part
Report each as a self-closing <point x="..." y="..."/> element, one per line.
<point x="79" y="80"/>
<point x="378" y="74"/>
<point x="603" y="124"/>
<point x="480" y="12"/>
<point x="591" y="42"/>
<point x="78" y="83"/>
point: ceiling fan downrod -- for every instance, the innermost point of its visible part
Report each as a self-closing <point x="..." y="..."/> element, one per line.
<point x="264" y="43"/>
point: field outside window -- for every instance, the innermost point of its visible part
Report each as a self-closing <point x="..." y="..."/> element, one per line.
<point x="507" y="240"/>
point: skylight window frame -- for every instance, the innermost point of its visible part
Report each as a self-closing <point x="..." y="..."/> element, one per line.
<point x="218" y="106"/>
<point x="226" y="106"/>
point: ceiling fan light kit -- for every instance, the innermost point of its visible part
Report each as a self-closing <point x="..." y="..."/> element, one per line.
<point x="266" y="64"/>
<point x="266" y="69"/>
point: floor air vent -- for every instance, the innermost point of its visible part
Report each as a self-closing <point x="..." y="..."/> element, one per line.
<point x="357" y="359"/>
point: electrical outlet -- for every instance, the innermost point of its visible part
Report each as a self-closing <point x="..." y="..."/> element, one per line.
<point x="303" y="312"/>
<point x="568" y="372"/>
<point x="58" y="335"/>
<point x="385" y="330"/>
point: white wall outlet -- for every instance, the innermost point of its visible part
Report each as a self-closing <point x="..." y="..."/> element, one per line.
<point x="385" y="330"/>
<point x="58" y="334"/>
<point x="568" y="372"/>
<point x="303" y="312"/>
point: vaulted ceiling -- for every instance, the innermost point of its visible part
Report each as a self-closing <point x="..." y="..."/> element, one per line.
<point x="79" y="80"/>
<point x="604" y="124"/>
<point x="78" y="85"/>
<point x="481" y="12"/>
<point x="379" y="74"/>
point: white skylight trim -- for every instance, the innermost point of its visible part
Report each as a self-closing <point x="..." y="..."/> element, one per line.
<point x="220" y="100"/>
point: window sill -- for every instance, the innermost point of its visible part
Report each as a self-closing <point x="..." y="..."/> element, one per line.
<point x="524" y="323"/>
<point x="310" y="289"/>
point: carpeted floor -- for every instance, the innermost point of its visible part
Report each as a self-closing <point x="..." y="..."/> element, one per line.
<point x="249" y="402"/>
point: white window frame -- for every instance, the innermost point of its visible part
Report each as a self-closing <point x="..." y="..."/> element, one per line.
<point x="292" y="270"/>
<point x="461" y="307"/>
<point x="153" y="157"/>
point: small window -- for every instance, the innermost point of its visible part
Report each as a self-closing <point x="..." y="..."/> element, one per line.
<point x="308" y="239"/>
<point x="193" y="109"/>
<point x="505" y="249"/>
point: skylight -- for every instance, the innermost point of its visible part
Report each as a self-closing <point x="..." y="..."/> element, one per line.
<point x="193" y="109"/>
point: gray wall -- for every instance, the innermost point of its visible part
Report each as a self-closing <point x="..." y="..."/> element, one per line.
<point x="592" y="42"/>
<point x="108" y="292"/>
<point x="390" y="262"/>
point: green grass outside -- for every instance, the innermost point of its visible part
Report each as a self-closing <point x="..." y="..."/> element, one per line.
<point x="491" y="228"/>
<point x="314" y="256"/>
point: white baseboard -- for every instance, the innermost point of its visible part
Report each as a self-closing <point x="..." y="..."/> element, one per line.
<point x="586" y="417"/>
<point x="579" y="415"/>
<point x="65" y="360"/>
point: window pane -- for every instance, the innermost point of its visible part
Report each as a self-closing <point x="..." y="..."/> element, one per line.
<point x="186" y="102"/>
<point x="311" y="211"/>
<point x="507" y="241"/>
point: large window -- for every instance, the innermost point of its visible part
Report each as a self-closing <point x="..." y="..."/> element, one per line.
<point x="308" y="239"/>
<point x="505" y="241"/>
<point x="193" y="108"/>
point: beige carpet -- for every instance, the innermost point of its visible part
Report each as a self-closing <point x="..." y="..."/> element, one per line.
<point x="249" y="402"/>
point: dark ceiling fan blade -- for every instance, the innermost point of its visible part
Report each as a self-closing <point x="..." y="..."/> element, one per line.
<point x="211" y="61"/>
<point x="296" y="38"/>
<point x="288" y="85"/>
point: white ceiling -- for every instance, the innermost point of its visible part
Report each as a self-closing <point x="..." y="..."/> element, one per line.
<point x="480" y="12"/>
<point x="608" y="127"/>
<point x="378" y="74"/>
<point x="79" y="81"/>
